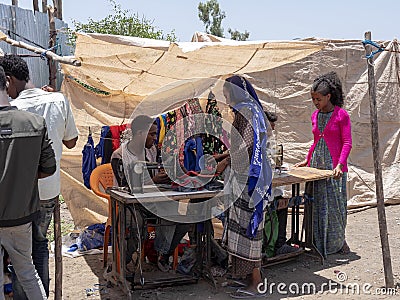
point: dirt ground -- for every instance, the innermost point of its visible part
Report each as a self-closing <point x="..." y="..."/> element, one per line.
<point x="362" y="269"/>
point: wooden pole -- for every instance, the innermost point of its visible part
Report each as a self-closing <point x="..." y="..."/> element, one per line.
<point x="52" y="43"/>
<point x="57" y="252"/>
<point x="59" y="9"/>
<point x="387" y="263"/>
<point x="57" y="218"/>
<point x="69" y="60"/>
<point x="44" y="6"/>
<point x="55" y="5"/>
<point x="35" y="5"/>
<point x="14" y="2"/>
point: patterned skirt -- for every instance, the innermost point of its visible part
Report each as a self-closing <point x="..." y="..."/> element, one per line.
<point x="245" y="251"/>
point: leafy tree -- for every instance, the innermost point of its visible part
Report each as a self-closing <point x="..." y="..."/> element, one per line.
<point x="121" y="22"/>
<point x="212" y="16"/>
<point x="239" y="36"/>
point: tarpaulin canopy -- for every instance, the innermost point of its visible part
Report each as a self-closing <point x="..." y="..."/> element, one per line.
<point x="151" y="74"/>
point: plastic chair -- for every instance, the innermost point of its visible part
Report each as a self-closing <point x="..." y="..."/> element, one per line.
<point x="101" y="178"/>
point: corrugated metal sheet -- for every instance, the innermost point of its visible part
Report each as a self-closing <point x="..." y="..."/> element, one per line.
<point x="25" y="25"/>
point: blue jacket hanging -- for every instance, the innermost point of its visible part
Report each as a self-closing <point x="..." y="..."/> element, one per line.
<point x="101" y="149"/>
<point x="88" y="161"/>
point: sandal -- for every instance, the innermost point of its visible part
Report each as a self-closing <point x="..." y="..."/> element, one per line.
<point x="236" y="284"/>
<point x="345" y="249"/>
<point x="246" y="294"/>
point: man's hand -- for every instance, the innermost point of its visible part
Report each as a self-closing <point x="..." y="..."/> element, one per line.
<point x="223" y="164"/>
<point x="47" y="88"/>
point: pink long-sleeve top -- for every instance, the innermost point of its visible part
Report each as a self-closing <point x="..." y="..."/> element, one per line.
<point x="337" y="135"/>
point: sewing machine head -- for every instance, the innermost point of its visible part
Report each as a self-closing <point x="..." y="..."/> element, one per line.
<point x="138" y="174"/>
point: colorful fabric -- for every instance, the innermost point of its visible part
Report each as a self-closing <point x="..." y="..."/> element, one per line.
<point x="336" y="134"/>
<point x="330" y="204"/>
<point x="193" y="124"/>
<point x="179" y="129"/>
<point x="213" y="132"/>
<point x="161" y="129"/>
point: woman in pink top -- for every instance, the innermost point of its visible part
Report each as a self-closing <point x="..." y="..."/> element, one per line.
<point x="331" y="128"/>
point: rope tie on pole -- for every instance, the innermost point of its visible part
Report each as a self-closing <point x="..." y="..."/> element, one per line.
<point x="43" y="54"/>
<point x="369" y="42"/>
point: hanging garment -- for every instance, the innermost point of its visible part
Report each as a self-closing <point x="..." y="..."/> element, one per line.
<point x="88" y="161"/>
<point x="190" y="157"/>
<point x="99" y="150"/>
<point x="116" y="134"/>
<point x="107" y="149"/>
<point x="213" y="137"/>
<point x="192" y="153"/>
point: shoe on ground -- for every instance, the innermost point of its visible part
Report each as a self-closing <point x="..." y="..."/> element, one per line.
<point x="285" y="249"/>
<point x="163" y="264"/>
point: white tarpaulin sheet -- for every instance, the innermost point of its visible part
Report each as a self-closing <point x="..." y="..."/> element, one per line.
<point x="133" y="69"/>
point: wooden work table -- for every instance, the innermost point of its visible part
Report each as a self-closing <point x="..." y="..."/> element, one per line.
<point x="121" y="200"/>
<point x="299" y="175"/>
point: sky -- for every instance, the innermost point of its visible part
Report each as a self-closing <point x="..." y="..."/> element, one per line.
<point x="264" y="19"/>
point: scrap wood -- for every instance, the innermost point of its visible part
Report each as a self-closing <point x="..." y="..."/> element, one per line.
<point x="69" y="60"/>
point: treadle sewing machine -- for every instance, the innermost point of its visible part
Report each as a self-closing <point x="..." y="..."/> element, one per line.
<point x="121" y="202"/>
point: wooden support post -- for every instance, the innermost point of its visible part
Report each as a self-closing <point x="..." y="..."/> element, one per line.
<point x="387" y="263"/>
<point x="52" y="43"/>
<point x="35" y="5"/>
<point x="59" y="9"/>
<point x="44" y="6"/>
<point x="57" y="251"/>
<point x="57" y="221"/>
<point x="14" y="2"/>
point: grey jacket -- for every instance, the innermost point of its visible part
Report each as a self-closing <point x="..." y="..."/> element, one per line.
<point x="25" y="149"/>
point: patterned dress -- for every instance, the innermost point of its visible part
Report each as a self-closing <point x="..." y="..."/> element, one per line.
<point x="245" y="251"/>
<point x="330" y="204"/>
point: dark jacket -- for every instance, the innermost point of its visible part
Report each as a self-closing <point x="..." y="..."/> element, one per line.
<point x="25" y="149"/>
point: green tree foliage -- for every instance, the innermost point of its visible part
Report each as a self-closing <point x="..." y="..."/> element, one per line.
<point x="121" y="22"/>
<point x="238" y="36"/>
<point x="212" y="16"/>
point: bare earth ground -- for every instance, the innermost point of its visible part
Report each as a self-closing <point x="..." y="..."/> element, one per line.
<point x="362" y="268"/>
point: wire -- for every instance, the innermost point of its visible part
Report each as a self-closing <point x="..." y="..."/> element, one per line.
<point x="22" y="37"/>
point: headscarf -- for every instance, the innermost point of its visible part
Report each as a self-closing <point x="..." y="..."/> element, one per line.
<point x="260" y="174"/>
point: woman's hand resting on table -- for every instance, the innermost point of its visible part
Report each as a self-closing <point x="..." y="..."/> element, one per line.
<point x="301" y="164"/>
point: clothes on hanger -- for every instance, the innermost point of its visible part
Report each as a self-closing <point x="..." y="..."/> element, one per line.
<point x="104" y="148"/>
<point x="88" y="160"/>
